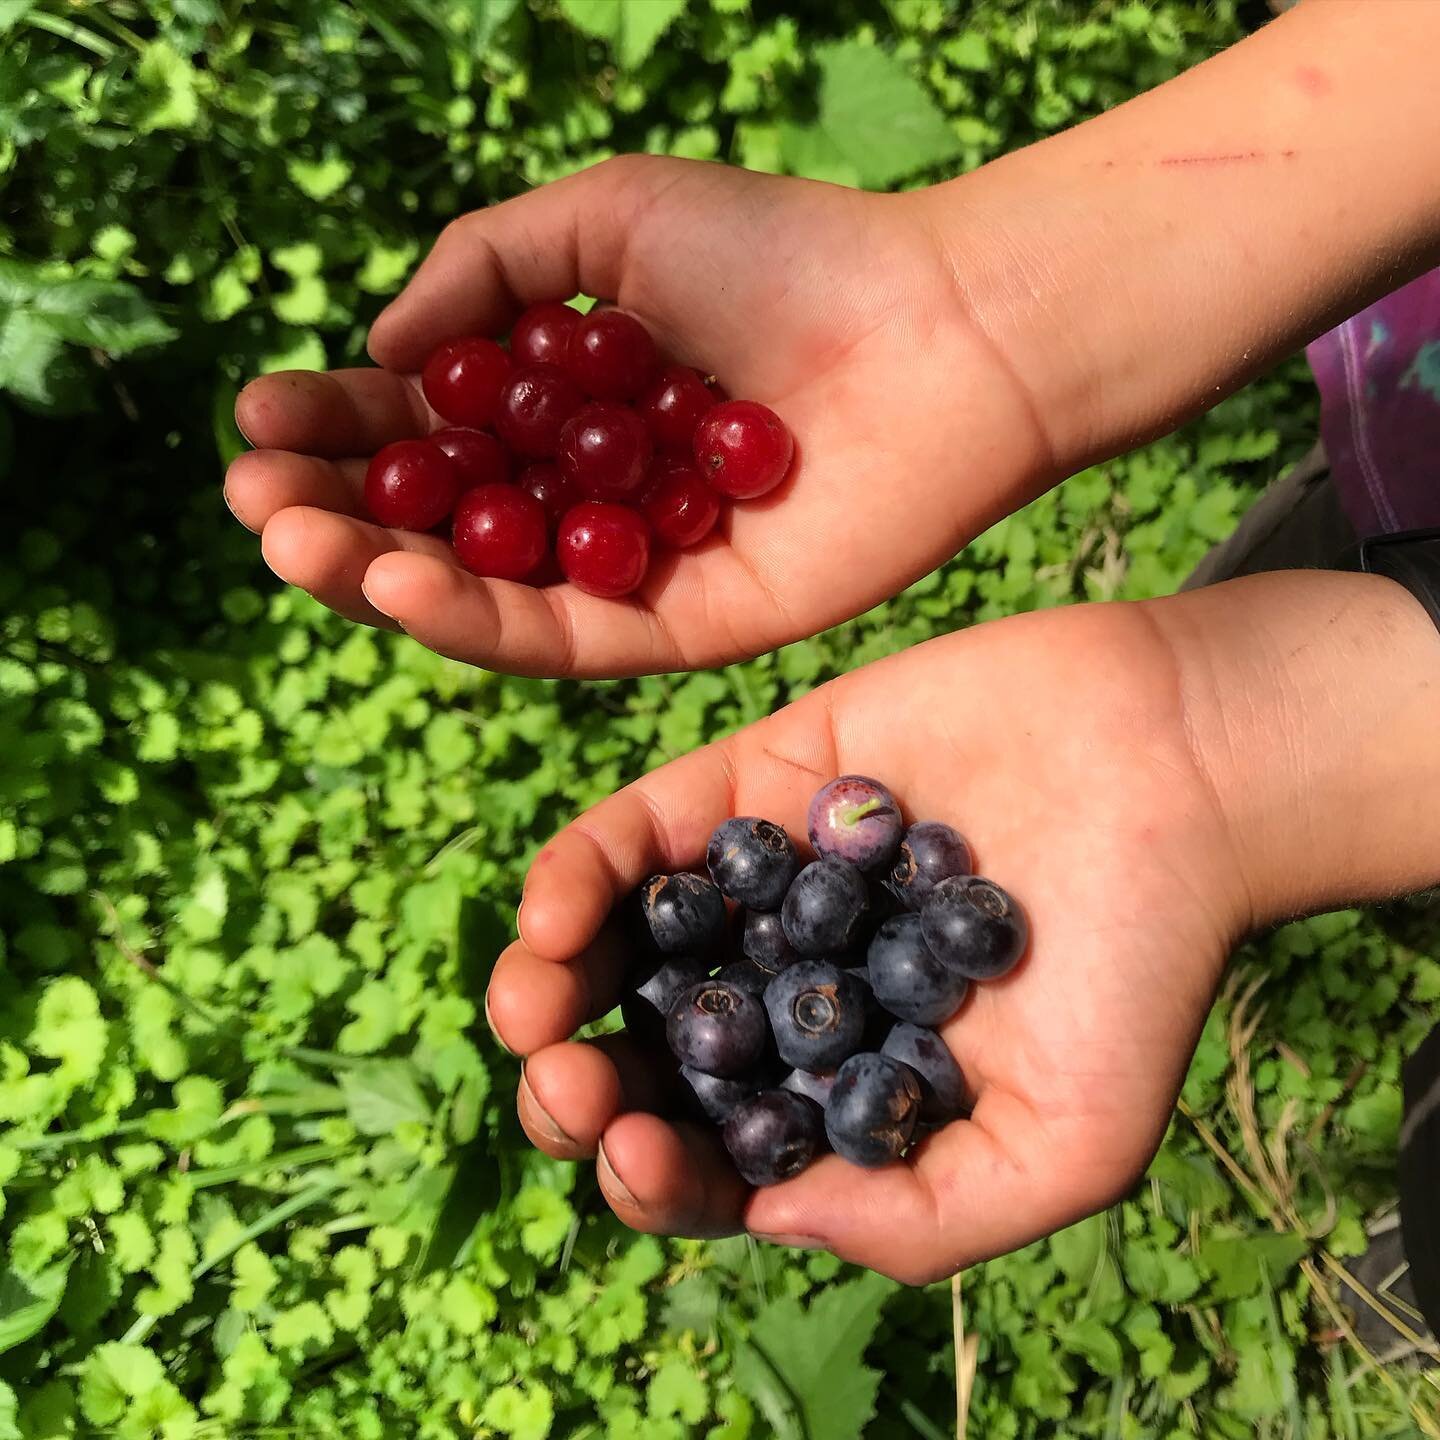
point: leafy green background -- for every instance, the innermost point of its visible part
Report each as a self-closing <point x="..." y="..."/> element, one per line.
<point x="259" y="1168"/>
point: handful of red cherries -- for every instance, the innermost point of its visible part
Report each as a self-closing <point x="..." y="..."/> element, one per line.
<point x="576" y="442"/>
<point x="820" y="1032"/>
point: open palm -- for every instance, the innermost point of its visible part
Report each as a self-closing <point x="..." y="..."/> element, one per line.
<point x="1057" y="743"/>
<point x="839" y="309"/>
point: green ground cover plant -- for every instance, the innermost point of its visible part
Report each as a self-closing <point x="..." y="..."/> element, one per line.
<point x="258" y="1163"/>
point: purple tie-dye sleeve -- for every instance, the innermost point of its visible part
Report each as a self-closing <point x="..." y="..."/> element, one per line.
<point x="1379" y="377"/>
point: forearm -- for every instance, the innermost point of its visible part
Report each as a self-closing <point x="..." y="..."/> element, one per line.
<point x="1140" y="266"/>
<point x="1312" y="700"/>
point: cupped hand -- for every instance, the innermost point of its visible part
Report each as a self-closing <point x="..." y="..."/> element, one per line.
<point x="1059" y="743"/>
<point x="839" y="309"/>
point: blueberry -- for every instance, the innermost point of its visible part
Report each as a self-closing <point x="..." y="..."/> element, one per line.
<point x="817" y="1014"/>
<point x="975" y="927"/>
<point x="823" y="908"/>
<point x="752" y="861"/>
<point x="930" y="852"/>
<point x="685" y="914"/>
<point x="713" y="1096"/>
<point x="763" y="941"/>
<point x="878" y="1020"/>
<point x="646" y="1004"/>
<point x="815" y="1086"/>
<point x="908" y="979"/>
<point x="745" y="975"/>
<point x="718" y="1028"/>
<point x="872" y="1110"/>
<point x="942" y="1083"/>
<point x="856" y="819"/>
<point x="773" y="1136"/>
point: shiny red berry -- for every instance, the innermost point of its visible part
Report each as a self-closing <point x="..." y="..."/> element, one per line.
<point x="671" y="406"/>
<point x="681" y="508"/>
<point x="603" y="549"/>
<point x="480" y="459"/>
<point x="547" y="483"/>
<point x="743" y="449"/>
<point x="535" y="403"/>
<point x="542" y="334"/>
<point x="500" y="531"/>
<point x="462" y="380"/>
<point x="611" y="355"/>
<point x="605" y="451"/>
<point x="411" y="485"/>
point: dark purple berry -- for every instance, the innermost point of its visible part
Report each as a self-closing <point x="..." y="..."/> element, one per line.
<point x="974" y="927"/>
<point x="855" y="818"/>
<point x="823" y="908"/>
<point x="718" y="1028"/>
<point x="685" y="913"/>
<point x="647" y="1003"/>
<point x="817" y="1014"/>
<point x="908" y="978"/>
<point x="815" y="1086"/>
<point x="872" y="1111"/>
<point x="713" y="1096"/>
<point x="930" y="852"/>
<point x="773" y="1136"/>
<point x="763" y="941"/>
<point x="746" y="976"/>
<point x="942" y="1083"/>
<point x="752" y="861"/>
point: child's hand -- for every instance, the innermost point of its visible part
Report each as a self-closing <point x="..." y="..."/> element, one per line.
<point x="839" y="309"/>
<point x="1149" y="781"/>
<point x="1072" y="776"/>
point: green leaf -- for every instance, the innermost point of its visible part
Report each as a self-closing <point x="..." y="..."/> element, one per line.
<point x="818" y="1354"/>
<point x="169" y="84"/>
<point x="630" y="27"/>
<point x="381" y="1094"/>
<point x="319" y="179"/>
<point x="875" y="117"/>
<point x="1238" y="1265"/>
<point x="28" y="1301"/>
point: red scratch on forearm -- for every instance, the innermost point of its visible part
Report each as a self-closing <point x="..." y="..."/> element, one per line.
<point x="1233" y="158"/>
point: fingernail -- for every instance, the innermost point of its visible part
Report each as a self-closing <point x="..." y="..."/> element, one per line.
<point x="493" y="1031"/>
<point x="520" y="918"/>
<point x="364" y="590"/>
<point x="612" y="1181"/>
<point x="541" y="1118"/>
<point x="793" y="1242"/>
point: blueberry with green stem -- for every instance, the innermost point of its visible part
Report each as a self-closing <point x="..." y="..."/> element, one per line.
<point x="855" y="818"/>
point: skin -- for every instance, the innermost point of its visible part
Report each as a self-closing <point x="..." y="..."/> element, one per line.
<point x="962" y="347"/>
<point x="1220" y="759"/>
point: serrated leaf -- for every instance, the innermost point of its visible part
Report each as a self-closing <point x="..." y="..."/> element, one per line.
<point x="381" y="1094"/>
<point x="28" y="1301"/>
<point x="630" y="29"/>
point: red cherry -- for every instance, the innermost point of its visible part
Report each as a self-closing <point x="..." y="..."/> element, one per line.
<point x="480" y="459"/>
<point x="500" y="531"/>
<point x="462" y="380"/>
<point x="411" y="485"/>
<point x="605" y="451"/>
<point x="542" y="334"/>
<point x="681" y="508"/>
<point x="743" y="449"/>
<point x="671" y="406"/>
<point x="535" y="403"/>
<point x="610" y="355"/>
<point x="603" y="549"/>
<point x="547" y="483"/>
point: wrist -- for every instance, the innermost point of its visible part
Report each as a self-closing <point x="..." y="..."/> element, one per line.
<point x="1311" y="700"/>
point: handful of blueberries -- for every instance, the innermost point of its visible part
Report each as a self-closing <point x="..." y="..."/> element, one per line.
<point x="821" y="1030"/>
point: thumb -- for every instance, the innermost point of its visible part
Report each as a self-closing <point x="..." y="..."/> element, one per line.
<point x="559" y="240"/>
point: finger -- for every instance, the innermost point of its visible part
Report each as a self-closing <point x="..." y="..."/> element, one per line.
<point x="518" y="629"/>
<point x="261" y="483"/>
<point x="663" y="821"/>
<point x="557" y="241"/>
<point x="344" y="412"/>
<point x="570" y="1092"/>
<point x="669" y="1179"/>
<point x="963" y="1196"/>
<point x="533" y="1002"/>
<point x="327" y="556"/>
